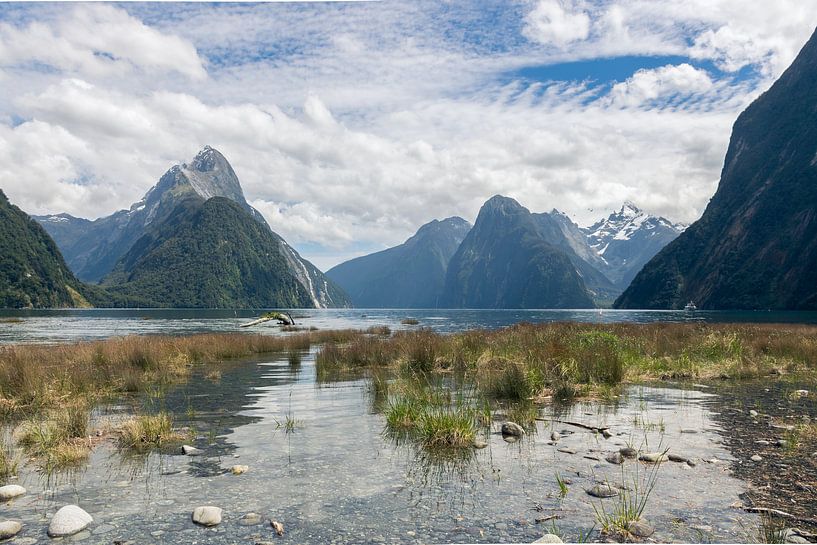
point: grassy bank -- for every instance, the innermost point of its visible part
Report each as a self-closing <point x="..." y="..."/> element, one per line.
<point x="47" y="392"/>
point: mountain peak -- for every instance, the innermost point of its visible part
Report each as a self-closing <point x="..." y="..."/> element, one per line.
<point x="630" y="209"/>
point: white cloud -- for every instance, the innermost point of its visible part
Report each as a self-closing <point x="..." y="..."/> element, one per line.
<point x="352" y="124"/>
<point x="98" y="40"/>
<point x="664" y="83"/>
<point x="557" y="22"/>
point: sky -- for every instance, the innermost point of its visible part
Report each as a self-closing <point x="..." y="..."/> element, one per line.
<point x="350" y="124"/>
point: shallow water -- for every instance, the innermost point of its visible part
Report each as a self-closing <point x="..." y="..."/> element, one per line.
<point x="76" y="324"/>
<point x="338" y="479"/>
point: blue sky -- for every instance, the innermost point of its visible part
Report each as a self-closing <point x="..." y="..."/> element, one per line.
<point x="351" y="124"/>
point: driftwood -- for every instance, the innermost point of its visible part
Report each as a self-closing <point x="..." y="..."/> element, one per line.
<point x="779" y="513"/>
<point x="577" y="424"/>
<point x="283" y="319"/>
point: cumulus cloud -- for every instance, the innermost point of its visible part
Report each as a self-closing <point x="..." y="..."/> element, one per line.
<point x="664" y="83"/>
<point x="557" y="22"/>
<point x="350" y="125"/>
<point x="98" y="40"/>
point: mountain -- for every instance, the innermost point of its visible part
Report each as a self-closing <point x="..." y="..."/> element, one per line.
<point x="755" y="246"/>
<point x="559" y="231"/>
<point x="93" y="249"/>
<point x="505" y="262"/>
<point x="411" y="275"/>
<point x="209" y="254"/>
<point x="33" y="273"/>
<point x="626" y="240"/>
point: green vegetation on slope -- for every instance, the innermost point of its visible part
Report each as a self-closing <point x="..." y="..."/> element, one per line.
<point x="33" y="273"/>
<point x="208" y="255"/>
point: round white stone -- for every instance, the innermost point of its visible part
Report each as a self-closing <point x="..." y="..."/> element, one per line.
<point x="11" y="491"/>
<point x="69" y="520"/>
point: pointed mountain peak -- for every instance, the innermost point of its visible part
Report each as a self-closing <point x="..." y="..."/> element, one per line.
<point x="630" y="209"/>
<point x="208" y="159"/>
<point x="211" y="175"/>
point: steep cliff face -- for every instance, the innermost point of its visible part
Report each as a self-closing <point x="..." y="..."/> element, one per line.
<point x="755" y="247"/>
<point x="505" y="262"/>
<point x="411" y="275"/>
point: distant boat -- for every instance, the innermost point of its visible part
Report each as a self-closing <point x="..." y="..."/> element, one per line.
<point x="690" y="306"/>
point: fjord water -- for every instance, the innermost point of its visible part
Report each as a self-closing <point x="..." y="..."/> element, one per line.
<point x="37" y="326"/>
<point x="338" y="479"/>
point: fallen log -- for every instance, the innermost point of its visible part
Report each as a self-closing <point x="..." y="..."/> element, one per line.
<point x="283" y="319"/>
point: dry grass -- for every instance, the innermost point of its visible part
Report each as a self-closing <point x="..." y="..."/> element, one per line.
<point x="529" y="361"/>
<point x="146" y="432"/>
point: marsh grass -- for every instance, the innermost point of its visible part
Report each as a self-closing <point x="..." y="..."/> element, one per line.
<point x="8" y="457"/>
<point x="771" y="529"/>
<point x="148" y="432"/>
<point x="630" y="504"/>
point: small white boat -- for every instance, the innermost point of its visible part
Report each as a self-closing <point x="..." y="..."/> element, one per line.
<point x="690" y="306"/>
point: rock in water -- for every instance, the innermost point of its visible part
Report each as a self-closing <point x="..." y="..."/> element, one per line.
<point x="512" y="429"/>
<point x="239" y="469"/>
<point x="187" y="450"/>
<point x="757" y="458"/>
<point x="251" y="519"/>
<point x="11" y="491"/>
<point x="554" y="437"/>
<point x="9" y="529"/>
<point x="628" y="452"/>
<point x="677" y="458"/>
<point x="479" y="444"/>
<point x="640" y="528"/>
<point x="653" y="457"/>
<point x="615" y="458"/>
<point x="207" y="515"/>
<point x="69" y="520"/>
<point x="277" y="526"/>
<point x="549" y="538"/>
<point x="602" y="491"/>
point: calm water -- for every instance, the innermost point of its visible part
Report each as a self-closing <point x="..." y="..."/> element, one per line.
<point x="66" y="325"/>
<point x="338" y="479"/>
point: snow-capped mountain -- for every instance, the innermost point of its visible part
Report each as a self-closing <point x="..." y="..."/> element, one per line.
<point x="626" y="240"/>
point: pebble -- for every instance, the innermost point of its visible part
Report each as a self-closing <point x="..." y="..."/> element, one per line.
<point x="615" y="458"/>
<point x="69" y="520"/>
<point x="640" y="528"/>
<point x="239" y="469"/>
<point x="689" y="430"/>
<point x="653" y="457"/>
<point x="513" y="429"/>
<point x="549" y="538"/>
<point x="207" y="515"/>
<point x="757" y="458"/>
<point x="602" y="491"/>
<point x="753" y="413"/>
<point x="11" y="491"/>
<point x="606" y="434"/>
<point x="251" y="519"/>
<point x="628" y="452"/>
<point x="277" y="526"/>
<point x="9" y="529"/>
<point x="567" y="450"/>
<point x="554" y="436"/>
<point x="677" y="458"/>
<point x="479" y="444"/>
<point x="187" y="450"/>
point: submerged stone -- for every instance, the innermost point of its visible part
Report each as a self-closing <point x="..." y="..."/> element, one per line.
<point x="615" y="458"/>
<point x="513" y="429"/>
<point x="479" y="444"/>
<point x="9" y="529"/>
<point x="239" y="469"/>
<point x="628" y="452"/>
<point x="602" y="491"/>
<point x="653" y="457"/>
<point x="640" y="528"/>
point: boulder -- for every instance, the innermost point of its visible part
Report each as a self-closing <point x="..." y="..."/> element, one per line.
<point x="207" y="515"/>
<point x="11" y="491"/>
<point x="69" y="520"/>
<point x="9" y="529"/>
